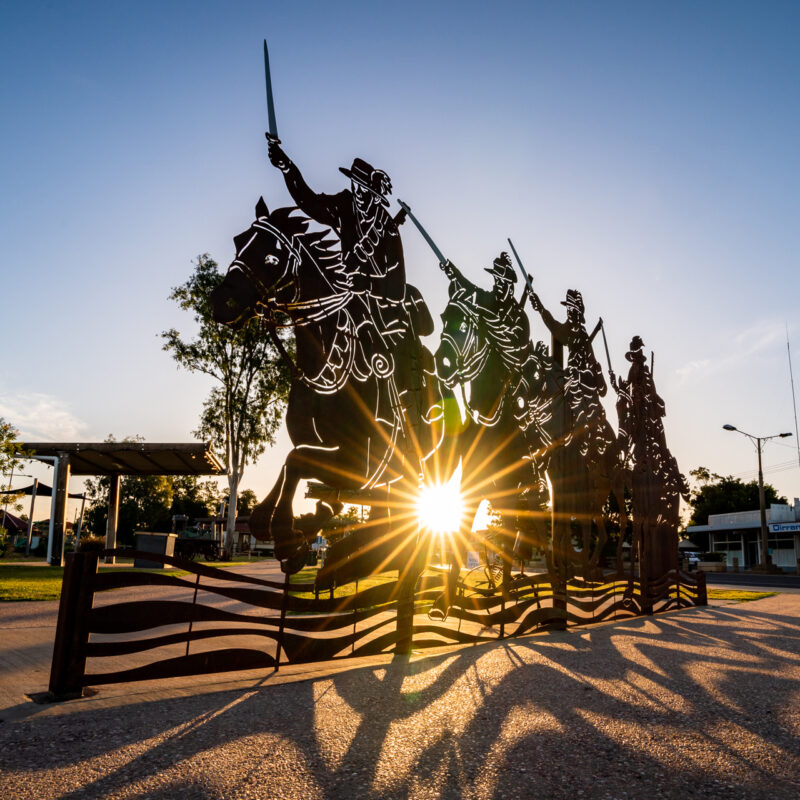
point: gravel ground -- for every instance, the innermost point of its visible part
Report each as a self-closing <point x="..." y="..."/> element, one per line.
<point x="700" y="703"/>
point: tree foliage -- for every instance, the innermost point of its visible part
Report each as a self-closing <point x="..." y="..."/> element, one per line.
<point x="246" y="502"/>
<point x="195" y="498"/>
<point x="10" y="459"/>
<point x="9" y="447"/>
<point x="244" y="409"/>
<point x="715" y="494"/>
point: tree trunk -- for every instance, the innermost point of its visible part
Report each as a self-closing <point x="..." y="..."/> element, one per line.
<point x="230" y="525"/>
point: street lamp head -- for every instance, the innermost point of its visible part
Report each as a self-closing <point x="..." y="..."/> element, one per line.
<point x="728" y="427"/>
<point x="784" y="435"/>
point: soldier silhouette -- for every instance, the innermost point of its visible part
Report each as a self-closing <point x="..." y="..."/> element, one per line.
<point x="373" y="267"/>
<point x="584" y="382"/>
<point x="657" y="482"/>
<point x="501" y="316"/>
<point x="388" y="315"/>
<point x="503" y="321"/>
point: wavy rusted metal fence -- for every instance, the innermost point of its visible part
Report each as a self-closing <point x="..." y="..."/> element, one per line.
<point x="107" y="633"/>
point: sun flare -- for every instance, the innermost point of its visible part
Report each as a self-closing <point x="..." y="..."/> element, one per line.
<point x="440" y="506"/>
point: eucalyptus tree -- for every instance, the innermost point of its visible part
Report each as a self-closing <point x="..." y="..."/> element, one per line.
<point x="244" y="409"/>
<point x="10" y="454"/>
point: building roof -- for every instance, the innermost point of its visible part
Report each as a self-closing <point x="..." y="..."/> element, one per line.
<point x="132" y="458"/>
<point x="11" y="522"/>
<point x="779" y="515"/>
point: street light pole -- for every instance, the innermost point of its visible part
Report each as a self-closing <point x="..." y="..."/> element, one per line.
<point x="762" y="503"/>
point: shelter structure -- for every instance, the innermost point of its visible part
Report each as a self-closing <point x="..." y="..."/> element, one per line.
<point x="115" y="459"/>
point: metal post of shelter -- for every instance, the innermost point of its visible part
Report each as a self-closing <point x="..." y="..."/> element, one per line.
<point x="113" y="516"/>
<point x="59" y="516"/>
<point x="30" y="517"/>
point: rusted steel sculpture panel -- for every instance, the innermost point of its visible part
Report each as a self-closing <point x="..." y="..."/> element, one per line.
<point x="363" y="407"/>
<point x="657" y="484"/>
<point x="280" y="622"/>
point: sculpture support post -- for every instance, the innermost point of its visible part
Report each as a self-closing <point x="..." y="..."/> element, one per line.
<point x="407" y="580"/>
<point x="72" y="631"/>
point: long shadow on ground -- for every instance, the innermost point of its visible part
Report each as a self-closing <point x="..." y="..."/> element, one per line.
<point x="698" y="704"/>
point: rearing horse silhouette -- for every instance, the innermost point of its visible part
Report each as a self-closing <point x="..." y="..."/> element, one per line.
<point x="359" y="417"/>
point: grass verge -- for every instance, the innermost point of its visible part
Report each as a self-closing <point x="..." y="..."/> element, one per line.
<point x="738" y="595"/>
<point x="309" y="574"/>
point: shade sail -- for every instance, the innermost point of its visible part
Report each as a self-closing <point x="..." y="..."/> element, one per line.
<point x="42" y="490"/>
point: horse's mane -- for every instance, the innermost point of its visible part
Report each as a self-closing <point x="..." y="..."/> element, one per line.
<point x="316" y="242"/>
<point x="294" y="225"/>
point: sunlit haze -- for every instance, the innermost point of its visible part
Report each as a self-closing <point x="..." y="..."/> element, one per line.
<point x="441" y="507"/>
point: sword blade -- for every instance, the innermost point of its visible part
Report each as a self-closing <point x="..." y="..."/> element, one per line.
<point x="431" y="243"/>
<point x="605" y="344"/>
<point x="273" y="125"/>
<point x="525" y="275"/>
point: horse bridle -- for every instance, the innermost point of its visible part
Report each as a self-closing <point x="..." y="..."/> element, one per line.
<point x="467" y="367"/>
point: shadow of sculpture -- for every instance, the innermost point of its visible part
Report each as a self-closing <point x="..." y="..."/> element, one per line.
<point x="702" y="701"/>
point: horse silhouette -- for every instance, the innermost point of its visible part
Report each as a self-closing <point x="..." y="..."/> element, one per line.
<point x="365" y="409"/>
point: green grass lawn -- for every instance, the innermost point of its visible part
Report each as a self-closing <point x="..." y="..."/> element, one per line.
<point x="30" y="583"/>
<point x="44" y="583"/>
<point x="14" y="557"/>
<point x="309" y="574"/>
<point x="738" y="595"/>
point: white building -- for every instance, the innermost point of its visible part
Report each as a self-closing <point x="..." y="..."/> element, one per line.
<point x="738" y="535"/>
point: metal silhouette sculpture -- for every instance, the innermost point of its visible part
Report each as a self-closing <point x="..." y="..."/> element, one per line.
<point x="372" y="412"/>
<point x="485" y="353"/>
<point x="656" y="482"/>
<point x="364" y="408"/>
<point x="588" y="467"/>
<point x="356" y="419"/>
<point x="368" y="403"/>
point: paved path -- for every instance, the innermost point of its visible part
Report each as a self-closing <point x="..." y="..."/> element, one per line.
<point x="697" y="703"/>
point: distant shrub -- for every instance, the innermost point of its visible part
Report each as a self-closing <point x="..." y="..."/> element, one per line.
<point x="92" y="544"/>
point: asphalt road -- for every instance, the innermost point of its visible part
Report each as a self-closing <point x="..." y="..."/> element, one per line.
<point x="755" y="581"/>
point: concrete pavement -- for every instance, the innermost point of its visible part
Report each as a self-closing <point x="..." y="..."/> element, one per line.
<point x="697" y="703"/>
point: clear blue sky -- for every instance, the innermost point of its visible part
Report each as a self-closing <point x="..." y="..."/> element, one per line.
<point x="644" y="153"/>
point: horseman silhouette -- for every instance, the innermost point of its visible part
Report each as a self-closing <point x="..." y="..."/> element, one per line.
<point x="358" y="418"/>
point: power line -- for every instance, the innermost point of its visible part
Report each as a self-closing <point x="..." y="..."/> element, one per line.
<point x="780" y="467"/>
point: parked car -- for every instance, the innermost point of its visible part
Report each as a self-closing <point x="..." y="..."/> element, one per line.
<point x="693" y="558"/>
<point x="194" y="542"/>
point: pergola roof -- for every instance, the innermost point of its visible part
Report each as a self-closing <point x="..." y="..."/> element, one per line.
<point x="132" y="458"/>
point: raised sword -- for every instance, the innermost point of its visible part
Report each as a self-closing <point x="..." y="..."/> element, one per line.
<point x="436" y="250"/>
<point x="605" y="344"/>
<point x="525" y="275"/>
<point x="272" y="133"/>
